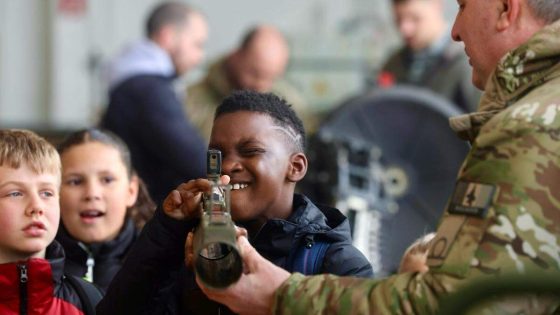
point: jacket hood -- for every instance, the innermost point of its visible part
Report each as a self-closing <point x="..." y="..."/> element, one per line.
<point x="307" y="223"/>
<point x="533" y="63"/>
<point x="143" y="57"/>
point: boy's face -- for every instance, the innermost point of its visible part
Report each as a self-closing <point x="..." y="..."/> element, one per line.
<point x="96" y="192"/>
<point x="29" y="212"/>
<point x="257" y="157"/>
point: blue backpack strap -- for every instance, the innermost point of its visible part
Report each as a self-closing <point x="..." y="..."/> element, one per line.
<point x="309" y="256"/>
<point x="88" y="292"/>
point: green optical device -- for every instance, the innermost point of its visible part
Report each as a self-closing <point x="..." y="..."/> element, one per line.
<point x="217" y="261"/>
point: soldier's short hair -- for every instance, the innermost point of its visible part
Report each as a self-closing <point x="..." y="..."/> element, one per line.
<point x="547" y="10"/>
<point x="18" y="147"/>
<point x="269" y="104"/>
<point x="166" y="13"/>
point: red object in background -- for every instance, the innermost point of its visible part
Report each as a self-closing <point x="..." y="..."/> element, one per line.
<point x="385" y="79"/>
<point x="72" y="7"/>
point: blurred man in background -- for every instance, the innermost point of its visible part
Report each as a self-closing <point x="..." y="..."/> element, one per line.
<point x="429" y="58"/>
<point x="143" y="107"/>
<point x="258" y="64"/>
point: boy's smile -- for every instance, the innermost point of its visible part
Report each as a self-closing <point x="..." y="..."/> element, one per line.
<point x="256" y="156"/>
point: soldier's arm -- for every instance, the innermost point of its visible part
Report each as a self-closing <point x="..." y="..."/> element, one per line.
<point x="409" y="293"/>
<point x="505" y="196"/>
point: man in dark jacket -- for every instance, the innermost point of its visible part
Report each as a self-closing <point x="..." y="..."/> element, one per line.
<point x="144" y="109"/>
<point x="262" y="143"/>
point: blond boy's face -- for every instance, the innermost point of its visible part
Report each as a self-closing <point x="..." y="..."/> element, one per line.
<point x="29" y="212"/>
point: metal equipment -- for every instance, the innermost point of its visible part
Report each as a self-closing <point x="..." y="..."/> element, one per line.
<point x="216" y="257"/>
<point x="388" y="160"/>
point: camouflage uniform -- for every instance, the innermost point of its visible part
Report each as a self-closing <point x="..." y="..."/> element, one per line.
<point x="504" y="216"/>
<point x="204" y="97"/>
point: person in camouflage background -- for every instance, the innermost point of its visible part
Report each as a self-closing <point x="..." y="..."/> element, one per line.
<point x="257" y="64"/>
<point x="503" y="217"/>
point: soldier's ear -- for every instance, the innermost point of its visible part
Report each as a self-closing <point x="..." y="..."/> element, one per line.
<point x="508" y="12"/>
<point x="297" y="167"/>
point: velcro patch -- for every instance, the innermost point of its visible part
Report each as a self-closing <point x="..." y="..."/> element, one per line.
<point x="472" y="199"/>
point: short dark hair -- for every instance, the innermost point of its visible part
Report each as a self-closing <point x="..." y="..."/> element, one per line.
<point x="166" y="13"/>
<point x="269" y="104"/>
<point x="546" y="10"/>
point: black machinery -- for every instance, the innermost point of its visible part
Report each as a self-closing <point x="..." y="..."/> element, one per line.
<point x="388" y="160"/>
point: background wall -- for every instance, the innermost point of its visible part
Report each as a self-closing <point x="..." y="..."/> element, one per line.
<point x="52" y="51"/>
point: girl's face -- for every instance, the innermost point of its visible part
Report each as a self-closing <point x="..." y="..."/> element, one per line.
<point x="95" y="192"/>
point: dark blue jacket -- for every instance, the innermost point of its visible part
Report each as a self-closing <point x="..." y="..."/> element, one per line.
<point x="165" y="149"/>
<point x="153" y="280"/>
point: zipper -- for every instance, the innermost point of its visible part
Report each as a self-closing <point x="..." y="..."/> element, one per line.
<point x="23" y="278"/>
<point x="309" y="241"/>
<point x="90" y="263"/>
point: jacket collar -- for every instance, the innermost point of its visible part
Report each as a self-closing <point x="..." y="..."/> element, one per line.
<point x="116" y="248"/>
<point x="518" y="72"/>
<point x="42" y="274"/>
<point x="277" y="237"/>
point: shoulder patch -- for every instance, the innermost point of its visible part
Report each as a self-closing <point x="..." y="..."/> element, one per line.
<point x="472" y="199"/>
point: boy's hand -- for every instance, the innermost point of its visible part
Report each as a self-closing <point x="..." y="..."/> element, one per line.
<point x="183" y="203"/>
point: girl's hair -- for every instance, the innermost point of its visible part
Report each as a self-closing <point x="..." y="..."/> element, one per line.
<point x="144" y="207"/>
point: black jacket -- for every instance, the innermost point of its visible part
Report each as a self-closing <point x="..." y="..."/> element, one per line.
<point x="165" y="149"/>
<point x="167" y="288"/>
<point x="46" y="289"/>
<point x="107" y="257"/>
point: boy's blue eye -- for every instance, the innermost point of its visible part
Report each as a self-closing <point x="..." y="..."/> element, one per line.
<point x="15" y="194"/>
<point x="47" y="193"/>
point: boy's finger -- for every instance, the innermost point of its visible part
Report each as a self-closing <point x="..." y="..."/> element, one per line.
<point x="172" y="202"/>
<point x="189" y="255"/>
<point x="225" y="179"/>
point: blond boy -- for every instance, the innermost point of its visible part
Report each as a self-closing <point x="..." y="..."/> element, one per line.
<point x="31" y="264"/>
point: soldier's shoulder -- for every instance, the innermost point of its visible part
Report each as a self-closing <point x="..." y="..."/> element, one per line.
<point x="540" y="108"/>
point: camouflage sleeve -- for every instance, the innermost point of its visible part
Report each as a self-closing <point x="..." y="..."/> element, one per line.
<point x="502" y="218"/>
<point x="327" y="294"/>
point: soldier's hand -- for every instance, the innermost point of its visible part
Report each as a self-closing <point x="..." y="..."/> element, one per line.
<point x="254" y="292"/>
<point x="183" y="203"/>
